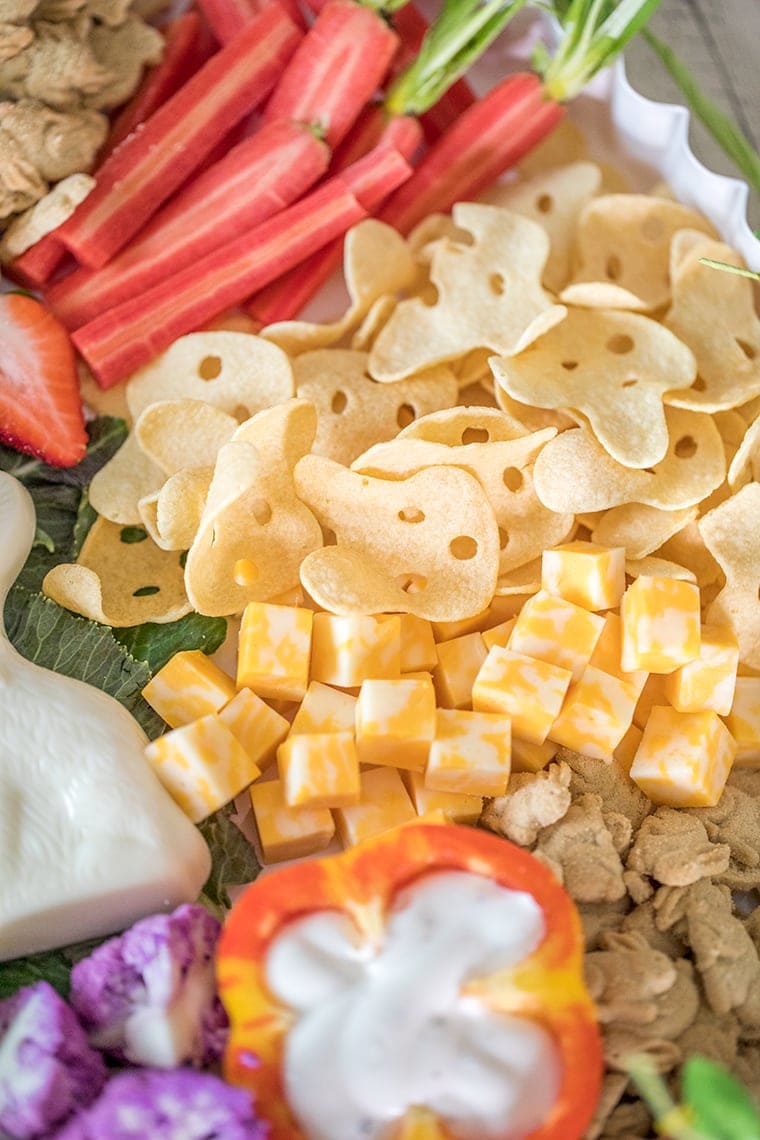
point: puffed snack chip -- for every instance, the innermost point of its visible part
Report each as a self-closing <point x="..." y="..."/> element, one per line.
<point x="574" y="473"/>
<point x="254" y="531"/>
<point x="623" y="251"/>
<point x="376" y="263"/>
<point x="181" y="434"/>
<point x="356" y="411"/>
<point x="731" y="533"/>
<point x="426" y="545"/>
<point x="714" y="313"/>
<point x="614" y="369"/>
<point x="119" y="582"/>
<point x="172" y="515"/>
<point x="489" y="295"/>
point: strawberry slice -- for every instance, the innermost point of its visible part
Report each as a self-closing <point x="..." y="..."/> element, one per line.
<point x="40" y="409"/>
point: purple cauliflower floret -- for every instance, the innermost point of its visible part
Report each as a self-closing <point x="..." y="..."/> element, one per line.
<point x="157" y="1104"/>
<point x="149" y="995"/>
<point x="47" y="1068"/>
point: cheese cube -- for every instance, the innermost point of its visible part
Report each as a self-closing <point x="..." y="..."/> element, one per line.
<point x="417" y="644"/>
<point x="652" y="694"/>
<point x="189" y="686"/>
<point x="626" y="749"/>
<point x="586" y="573"/>
<point x="708" y="681"/>
<point x="551" y="629"/>
<point x="528" y="691"/>
<point x="395" y="723"/>
<point x="470" y="753"/>
<point x="499" y="634"/>
<point x="459" y="661"/>
<point x="661" y="624"/>
<point x="286" y="832"/>
<point x="743" y="721"/>
<point x="684" y="758"/>
<point x="324" y="709"/>
<point x="383" y="804"/>
<point x="347" y="650"/>
<point x="500" y="609"/>
<point x="319" y="770"/>
<point x="274" y="651"/>
<point x="608" y="652"/>
<point x="456" y="806"/>
<point x="202" y="766"/>
<point x="596" y="715"/>
<point x="257" y="726"/>
<point x="528" y="757"/>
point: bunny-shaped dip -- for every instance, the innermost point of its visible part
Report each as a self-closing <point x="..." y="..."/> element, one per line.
<point x="89" y="839"/>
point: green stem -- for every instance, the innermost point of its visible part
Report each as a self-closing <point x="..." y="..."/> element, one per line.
<point x="669" y="1119"/>
<point x="727" y="268"/>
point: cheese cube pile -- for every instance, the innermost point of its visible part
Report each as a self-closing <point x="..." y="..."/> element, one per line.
<point x="376" y="720"/>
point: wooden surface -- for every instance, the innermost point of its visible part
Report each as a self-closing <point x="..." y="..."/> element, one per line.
<point x="720" y="41"/>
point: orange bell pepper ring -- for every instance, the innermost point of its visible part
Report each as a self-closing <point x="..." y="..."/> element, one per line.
<point x="371" y="890"/>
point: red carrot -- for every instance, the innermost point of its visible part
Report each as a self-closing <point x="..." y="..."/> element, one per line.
<point x="141" y="174"/>
<point x="337" y="68"/>
<point x="127" y="336"/>
<point x="227" y="18"/>
<point x="289" y="294"/>
<point x="36" y="265"/>
<point x="489" y="137"/>
<point x="186" y="49"/>
<point x="256" y="179"/>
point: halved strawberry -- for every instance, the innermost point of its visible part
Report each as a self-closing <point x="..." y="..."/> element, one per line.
<point x="40" y="409"/>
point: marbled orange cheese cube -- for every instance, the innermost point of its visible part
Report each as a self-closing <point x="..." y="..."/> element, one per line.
<point x="499" y="634"/>
<point x="626" y="749"/>
<point x="590" y="575"/>
<point x="319" y="769"/>
<point x="395" y="722"/>
<point x="459" y="662"/>
<point x="189" y="686"/>
<point x="661" y="624"/>
<point x="202" y="765"/>
<point x="596" y="715"/>
<point x="708" y="681"/>
<point x="274" y="650"/>
<point x="530" y="692"/>
<point x="456" y="806"/>
<point x="652" y="694"/>
<point x="608" y="653"/>
<point x="684" y="758"/>
<point x="257" y="726"/>
<point x="346" y="650"/>
<point x="384" y="803"/>
<point x="743" y="721"/>
<point x="417" y="644"/>
<point x="470" y="753"/>
<point x="554" y="630"/>
<point x="528" y="757"/>
<point x="325" y="709"/>
<point x="287" y="832"/>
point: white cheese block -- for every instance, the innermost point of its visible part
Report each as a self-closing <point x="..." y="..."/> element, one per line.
<point x="89" y="839"/>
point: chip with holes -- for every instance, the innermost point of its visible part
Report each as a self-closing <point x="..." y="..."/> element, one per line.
<point x="120" y="579"/>
<point x="623" y="242"/>
<point x="653" y="567"/>
<point x="504" y="470"/>
<point x="172" y="515"/>
<point x="116" y="490"/>
<point x="354" y="410"/>
<point x="611" y="367"/>
<point x="731" y="533"/>
<point x="714" y="314"/>
<point x="376" y="263"/>
<point x="574" y="473"/>
<point x="426" y="545"/>
<point x="236" y="372"/>
<point x="554" y="200"/>
<point x="687" y="548"/>
<point x="454" y="426"/>
<point x="254" y="531"/>
<point x="745" y="465"/>
<point x="177" y="434"/>
<point x="639" y="528"/>
<point x="489" y="295"/>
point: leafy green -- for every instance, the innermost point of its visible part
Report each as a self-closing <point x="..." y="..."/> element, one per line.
<point x="720" y="1107"/>
<point x="156" y="644"/>
<point x="53" y="966"/>
<point x="233" y="857"/>
<point x="726" y="133"/>
<point x="459" y="35"/>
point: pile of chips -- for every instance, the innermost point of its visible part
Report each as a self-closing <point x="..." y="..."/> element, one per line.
<point x="552" y="362"/>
